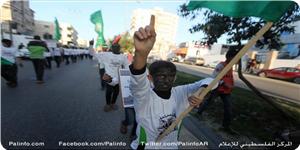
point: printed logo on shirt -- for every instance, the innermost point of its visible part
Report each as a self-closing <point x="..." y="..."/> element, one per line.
<point x="115" y="63"/>
<point x="165" y="122"/>
<point x="8" y="53"/>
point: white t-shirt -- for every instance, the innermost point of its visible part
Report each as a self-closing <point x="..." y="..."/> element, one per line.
<point x="154" y="114"/>
<point x="112" y="63"/>
<point x="9" y="53"/>
<point x="99" y="57"/>
<point x="47" y="54"/>
<point x="67" y="51"/>
<point x="57" y="52"/>
<point x="91" y="50"/>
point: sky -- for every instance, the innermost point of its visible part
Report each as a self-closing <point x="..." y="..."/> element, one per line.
<point x="116" y="15"/>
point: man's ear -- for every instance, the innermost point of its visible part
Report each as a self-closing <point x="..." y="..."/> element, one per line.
<point x="150" y="78"/>
<point x="175" y="78"/>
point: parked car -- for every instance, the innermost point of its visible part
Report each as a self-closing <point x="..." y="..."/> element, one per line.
<point x="213" y="64"/>
<point x="152" y="59"/>
<point x="283" y="73"/>
<point x="175" y="59"/>
<point x="194" y="61"/>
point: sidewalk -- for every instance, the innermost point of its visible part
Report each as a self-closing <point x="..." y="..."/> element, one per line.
<point x="194" y="130"/>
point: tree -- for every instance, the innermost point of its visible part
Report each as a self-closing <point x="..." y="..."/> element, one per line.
<point x="126" y="43"/>
<point x="239" y="29"/>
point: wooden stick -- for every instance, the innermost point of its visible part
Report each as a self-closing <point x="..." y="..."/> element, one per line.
<point x="201" y="93"/>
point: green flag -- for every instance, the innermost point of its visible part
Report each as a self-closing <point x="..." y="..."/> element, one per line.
<point x="96" y="18"/>
<point x="268" y="10"/>
<point x="57" y="34"/>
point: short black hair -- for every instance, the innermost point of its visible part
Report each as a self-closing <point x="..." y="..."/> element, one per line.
<point x="115" y="48"/>
<point x="91" y="42"/>
<point x="36" y="37"/>
<point x="231" y="53"/>
<point x="7" y="42"/>
<point x="157" y="65"/>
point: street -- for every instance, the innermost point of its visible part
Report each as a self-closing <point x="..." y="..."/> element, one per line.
<point x="68" y="107"/>
<point x="275" y="88"/>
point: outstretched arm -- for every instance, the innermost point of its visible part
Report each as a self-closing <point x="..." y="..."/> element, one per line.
<point x="144" y="40"/>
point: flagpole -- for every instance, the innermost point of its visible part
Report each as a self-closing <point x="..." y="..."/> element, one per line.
<point x="202" y="92"/>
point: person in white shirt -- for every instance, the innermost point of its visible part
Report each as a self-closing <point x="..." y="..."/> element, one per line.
<point x="57" y="55"/>
<point x="67" y="55"/>
<point x="73" y="55"/>
<point x="9" y="69"/>
<point x="48" y="58"/>
<point x="157" y="108"/>
<point x="113" y="61"/>
<point x="91" y="50"/>
<point x="100" y="59"/>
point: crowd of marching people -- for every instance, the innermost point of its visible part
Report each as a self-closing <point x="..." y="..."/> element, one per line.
<point x="41" y="56"/>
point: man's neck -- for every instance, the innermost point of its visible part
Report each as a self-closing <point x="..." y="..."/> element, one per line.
<point x="163" y="94"/>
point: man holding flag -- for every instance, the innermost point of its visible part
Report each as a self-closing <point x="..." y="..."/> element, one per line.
<point x="157" y="108"/>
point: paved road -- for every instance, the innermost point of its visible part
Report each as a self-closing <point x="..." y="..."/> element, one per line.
<point x="276" y="88"/>
<point x="67" y="108"/>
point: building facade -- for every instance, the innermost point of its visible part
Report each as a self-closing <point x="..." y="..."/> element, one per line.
<point x="18" y="16"/>
<point x="82" y="43"/>
<point x="44" y="29"/>
<point x="165" y="26"/>
<point x="291" y="48"/>
<point x="69" y="35"/>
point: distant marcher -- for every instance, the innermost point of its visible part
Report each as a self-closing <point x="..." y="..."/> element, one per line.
<point x="67" y="56"/>
<point x="48" y="58"/>
<point x="91" y="50"/>
<point x="100" y="59"/>
<point x="9" y="58"/>
<point x="73" y="55"/>
<point x="253" y="65"/>
<point x="37" y="47"/>
<point x="223" y="91"/>
<point x="248" y="66"/>
<point x="21" y="46"/>
<point x="57" y="55"/>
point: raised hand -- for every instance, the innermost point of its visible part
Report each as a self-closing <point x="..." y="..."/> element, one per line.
<point x="144" y="39"/>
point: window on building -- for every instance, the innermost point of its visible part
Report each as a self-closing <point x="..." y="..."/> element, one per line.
<point x="46" y="26"/>
<point x="47" y="36"/>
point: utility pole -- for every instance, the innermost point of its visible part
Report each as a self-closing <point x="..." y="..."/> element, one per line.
<point x="10" y="30"/>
